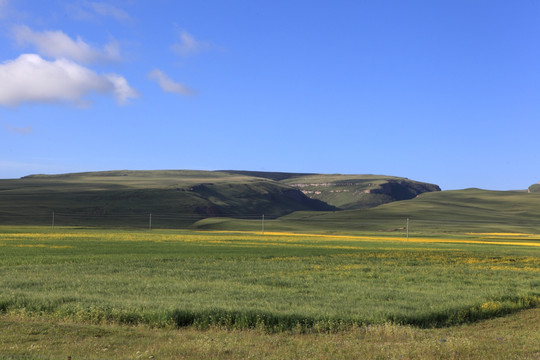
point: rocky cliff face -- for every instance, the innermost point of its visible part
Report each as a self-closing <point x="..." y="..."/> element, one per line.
<point x="362" y="192"/>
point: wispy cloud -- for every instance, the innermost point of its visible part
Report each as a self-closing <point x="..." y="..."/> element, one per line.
<point x="30" y="78"/>
<point x="188" y="45"/>
<point x="57" y="44"/>
<point x="120" y="88"/>
<point x="90" y="10"/>
<point x="167" y="84"/>
<point x="3" y="7"/>
<point x="106" y="9"/>
<point x="20" y="130"/>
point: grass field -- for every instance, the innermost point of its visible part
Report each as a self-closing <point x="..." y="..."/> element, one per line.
<point x="271" y="283"/>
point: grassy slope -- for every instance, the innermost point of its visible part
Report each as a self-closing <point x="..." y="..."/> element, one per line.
<point x="460" y="211"/>
<point x="184" y="196"/>
<point x="468" y="210"/>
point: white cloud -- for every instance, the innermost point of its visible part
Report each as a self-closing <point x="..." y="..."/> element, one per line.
<point x="189" y="45"/>
<point x="56" y="44"/>
<point x="167" y="84"/>
<point x="30" y="78"/>
<point x="121" y="89"/>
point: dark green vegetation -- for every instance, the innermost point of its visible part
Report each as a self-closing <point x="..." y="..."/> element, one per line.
<point x="442" y="212"/>
<point x="273" y="282"/>
<point x="510" y="337"/>
<point x="178" y="198"/>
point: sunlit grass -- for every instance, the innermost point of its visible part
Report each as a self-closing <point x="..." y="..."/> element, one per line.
<point x="277" y="280"/>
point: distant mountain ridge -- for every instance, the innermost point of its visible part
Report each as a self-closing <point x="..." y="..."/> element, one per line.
<point x="186" y="196"/>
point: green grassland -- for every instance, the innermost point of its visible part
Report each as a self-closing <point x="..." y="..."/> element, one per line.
<point x="279" y="282"/>
<point x="100" y="293"/>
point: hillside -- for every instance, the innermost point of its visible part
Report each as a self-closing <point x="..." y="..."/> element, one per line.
<point x="350" y="191"/>
<point x="456" y="211"/>
<point x="300" y="202"/>
<point x="176" y="198"/>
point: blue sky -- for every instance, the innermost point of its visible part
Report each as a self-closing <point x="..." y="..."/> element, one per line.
<point x="446" y="92"/>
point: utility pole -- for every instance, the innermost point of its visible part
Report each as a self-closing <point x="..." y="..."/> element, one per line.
<point x="150" y="223"/>
<point x="52" y="220"/>
<point x="407" y="229"/>
<point x="263" y="224"/>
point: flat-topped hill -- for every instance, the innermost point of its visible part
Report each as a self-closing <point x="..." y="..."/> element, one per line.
<point x="185" y="196"/>
<point x="182" y="195"/>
